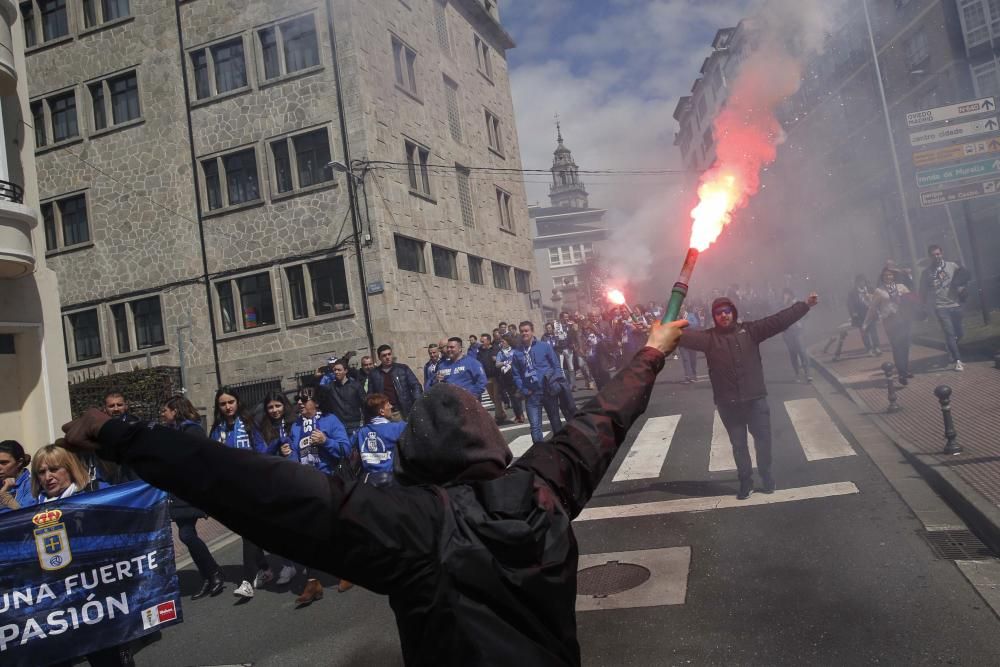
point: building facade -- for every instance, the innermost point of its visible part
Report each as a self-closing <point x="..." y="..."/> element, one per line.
<point x="35" y="400"/>
<point x="193" y="216"/>
<point x="568" y="239"/>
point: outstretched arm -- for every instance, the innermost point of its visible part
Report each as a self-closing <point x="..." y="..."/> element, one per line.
<point x="761" y="330"/>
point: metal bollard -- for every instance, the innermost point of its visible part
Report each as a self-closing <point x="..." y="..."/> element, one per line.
<point x="943" y="393"/>
<point x="888" y="368"/>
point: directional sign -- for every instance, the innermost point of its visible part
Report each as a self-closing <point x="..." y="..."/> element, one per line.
<point x="958" y="172"/>
<point x="960" y="192"/>
<point x="960" y="110"/>
<point x="961" y="131"/>
<point x="958" y="152"/>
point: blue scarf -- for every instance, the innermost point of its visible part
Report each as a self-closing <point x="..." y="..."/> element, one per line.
<point x="238" y="438"/>
<point x="309" y="452"/>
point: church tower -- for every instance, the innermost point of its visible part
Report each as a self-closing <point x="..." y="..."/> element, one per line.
<point x="567" y="189"/>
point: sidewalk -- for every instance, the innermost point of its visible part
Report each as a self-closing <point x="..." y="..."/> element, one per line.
<point x="210" y="530"/>
<point x="969" y="481"/>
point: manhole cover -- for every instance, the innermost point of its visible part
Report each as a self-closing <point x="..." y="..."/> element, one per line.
<point x="612" y="577"/>
<point x="956" y="545"/>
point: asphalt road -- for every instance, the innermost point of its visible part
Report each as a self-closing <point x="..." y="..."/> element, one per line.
<point x="831" y="569"/>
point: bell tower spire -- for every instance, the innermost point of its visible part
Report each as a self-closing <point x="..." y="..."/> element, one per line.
<point x="567" y="190"/>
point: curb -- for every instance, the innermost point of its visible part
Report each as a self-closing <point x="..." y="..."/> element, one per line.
<point x="982" y="517"/>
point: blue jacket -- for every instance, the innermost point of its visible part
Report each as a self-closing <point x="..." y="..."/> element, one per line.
<point x="251" y="438"/>
<point x="376" y="442"/>
<point x="326" y="456"/>
<point x="284" y="437"/>
<point x="21" y="491"/>
<point x="327" y="378"/>
<point x="430" y="369"/>
<point x="466" y="373"/>
<point x="533" y="364"/>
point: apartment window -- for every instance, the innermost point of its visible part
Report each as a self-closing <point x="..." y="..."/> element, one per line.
<point x="562" y="282"/>
<point x="99" y="12"/>
<point x="300" y="160"/>
<point x="503" y="210"/>
<point x="441" y="23"/>
<point x="417" y="157"/>
<point x="288" y="47"/>
<point x="522" y="281"/>
<point x="974" y="22"/>
<point x="44" y="21"/>
<point x="493" y="136"/>
<point x="702" y="108"/>
<point x="66" y="223"/>
<point x="570" y="255"/>
<point x="483" y="62"/>
<point x="445" y="262"/>
<point x="83" y="332"/>
<point x="38" y="120"/>
<point x="985" y="79"/>
<point x="410" y="254"/>
<point x="231" y="179"/>
<point x="219" y="68"/>
<point x="116" y="98"/>
<point x="464" y="195"/>
<point x="245" y="303"/>
<point x="706" y="140"/>
<point x="138" y="324"/>
<point x="451" y="101"/>
<point x="55" y="119"/>
<point x="917" y="50"/>
<point x="405" y="62"/>
<point x="317" y="288"/>
<point x="476" y="270"/>
<point x="501" y="276"/>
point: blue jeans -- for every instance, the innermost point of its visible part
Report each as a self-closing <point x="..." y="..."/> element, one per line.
<point x="533" y="406"/>
<point x="951" y="325"/>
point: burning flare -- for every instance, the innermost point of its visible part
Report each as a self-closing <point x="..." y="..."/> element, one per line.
<point x="616" y="297"/>
<point x="718" y="198"/>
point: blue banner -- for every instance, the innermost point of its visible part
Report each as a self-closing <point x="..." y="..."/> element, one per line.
<point x="84" y="573"/>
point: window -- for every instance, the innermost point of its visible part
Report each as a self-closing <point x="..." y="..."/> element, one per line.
<point x="28" y="19"/>
<point x="83" y="333"/>
<point x="410" y="254"/>
<point x="916" y="49"/>
<point x="416" y="161"/>
<point x="404" y="62"/>
<point x="219" y="68"/>
<point x="974" y="22"/>
<point x="245" y="303"/>
<point x="985" y="79"/>
<point x="570" y="255"/>
<point x="38" y="120"/>
<point x="476" y="270"/>
<point x="441" y="23"/>
<point x="288" y="47"/>
<point x="483" y="62"/>
<point x="122" y="92"/>
<point x="445" y="262"/>
<point x="493" y="136"/>
<point x="55" y="119"/>
<point x="451" y="100"/>
<point x="503" y="210"/>
<point x="702" y="108"/>
<point x="501" y="276"/>
<point x="138" y="324"/>
<point x="44" y="21"/>
<point x="231" y="179"/>
<point x="317" y="288"/>
<point x="464" y="195"/>
<point x="562" y="282"/>
<point x="98" y="12"/>
<point x="522" y="281"/>
<point x="65" y="222"/>
<point x="300" y="160"/>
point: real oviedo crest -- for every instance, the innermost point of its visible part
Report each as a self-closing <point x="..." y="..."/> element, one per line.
<point x="51" y="540"/>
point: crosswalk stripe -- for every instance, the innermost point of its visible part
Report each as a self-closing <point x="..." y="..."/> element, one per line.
<point x="717" y="502"/>
<point x="644" y="459"/>
<point x="819" y="436"/>
<point x="721" y="454"/>
<point x="521" y="444"/>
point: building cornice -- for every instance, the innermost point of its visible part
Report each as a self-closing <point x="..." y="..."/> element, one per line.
<point x="484" y="22"/>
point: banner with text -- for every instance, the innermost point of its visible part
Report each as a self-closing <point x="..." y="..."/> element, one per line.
<point x="86" y="572"/>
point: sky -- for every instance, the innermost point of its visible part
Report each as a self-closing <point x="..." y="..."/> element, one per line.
<point x="613" y="70"/>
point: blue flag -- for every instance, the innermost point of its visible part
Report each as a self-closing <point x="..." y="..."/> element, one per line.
<point x="84" y="573"/>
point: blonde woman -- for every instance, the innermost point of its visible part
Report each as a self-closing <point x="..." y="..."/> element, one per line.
<point x="57" y="473"/>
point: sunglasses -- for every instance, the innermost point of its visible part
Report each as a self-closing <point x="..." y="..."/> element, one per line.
<point x="725" y="310"/>
<point x="305" y="398"/>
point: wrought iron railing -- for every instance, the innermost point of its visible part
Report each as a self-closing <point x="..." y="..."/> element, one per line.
<point x="11" y="192"/>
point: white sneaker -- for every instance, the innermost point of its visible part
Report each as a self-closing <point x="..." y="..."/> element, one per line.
<point x="244" y="590"/>
<point x="959" y="366"/>
<point x="263" y="578"/>
<point x="286" y="574"/>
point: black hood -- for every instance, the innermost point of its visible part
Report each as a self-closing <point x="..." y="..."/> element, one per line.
<point x="725" y="301"/>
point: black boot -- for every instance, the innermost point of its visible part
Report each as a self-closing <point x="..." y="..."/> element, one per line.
<point x="211" y="586"/>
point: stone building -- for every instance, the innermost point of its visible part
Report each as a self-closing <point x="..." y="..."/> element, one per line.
<point x="568" y="238"/>
<point x="34" y="402"/>
<point x="191" y="211"/>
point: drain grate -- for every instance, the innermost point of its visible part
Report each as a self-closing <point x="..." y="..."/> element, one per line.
<point x="612" y="577"/>
<point x="956" y="545"/>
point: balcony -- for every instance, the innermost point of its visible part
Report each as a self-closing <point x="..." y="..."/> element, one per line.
<point x="16" y="222"/>
<point x="8" y="75"/>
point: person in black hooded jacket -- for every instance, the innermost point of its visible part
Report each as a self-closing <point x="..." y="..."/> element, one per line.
<point x="732" y="350"/>
<point x="478" y="559"/>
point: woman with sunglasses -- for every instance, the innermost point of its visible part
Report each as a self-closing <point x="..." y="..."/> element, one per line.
<point x="234" y="427"/>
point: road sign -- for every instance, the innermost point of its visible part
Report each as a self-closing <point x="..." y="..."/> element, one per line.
<point x="960" y="192"/>
<point x="960" y="131"/>
<point x="934" y="156"/>
<point x="958" y="172"/>
<point x="960" y="110"/>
